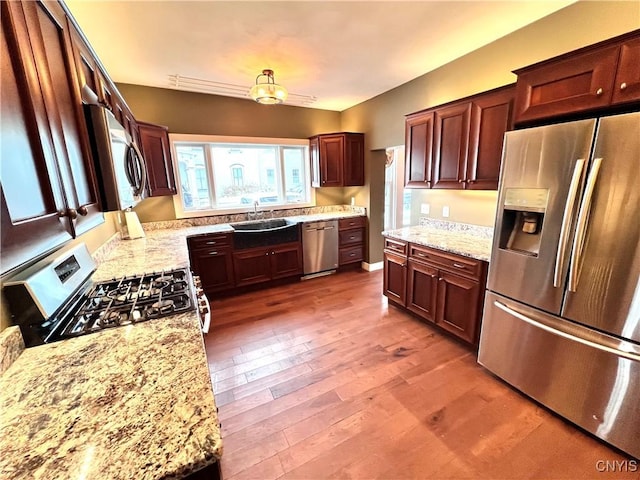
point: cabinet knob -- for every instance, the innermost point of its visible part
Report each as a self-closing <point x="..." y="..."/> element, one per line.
<point x="71" y="213"/>
<point x="83" y="210"/>
<point x="599" y="92"/>
<point x="623" y="86"/>
<point x="460" y="181"/>
<point x="471" y="181"/>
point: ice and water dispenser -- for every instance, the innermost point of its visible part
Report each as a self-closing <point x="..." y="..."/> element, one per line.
<point x="522" y="219"/>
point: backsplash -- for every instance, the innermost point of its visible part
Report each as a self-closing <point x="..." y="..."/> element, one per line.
<point x="478" y="230"/>
<point x="240" y="217"/>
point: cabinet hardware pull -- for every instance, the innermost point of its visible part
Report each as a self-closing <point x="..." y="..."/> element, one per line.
<point x="352" y="254"/>
<point x="83" y="210"/>
<point x="422" y="255"/>
<point x="599" y="92"/>
<point x="459" y="266"/>
<point x="72" y="213"/>
<point x="351" y="237"/>
<point x="211" y="243"/>
<point x="460" y="181"/>
<point x="213" y="253"/>
<point x="623" y="86"/>
<point x="471" y="181"/>
<point x="440" y="279"/>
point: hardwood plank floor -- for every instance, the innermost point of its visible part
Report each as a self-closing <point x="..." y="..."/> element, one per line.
<point x="322" y="379"/>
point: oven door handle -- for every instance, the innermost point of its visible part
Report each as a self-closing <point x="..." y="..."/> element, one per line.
<point x="206" y="318"/>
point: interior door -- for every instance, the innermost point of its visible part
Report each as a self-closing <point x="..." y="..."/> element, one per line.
<point x="607" y="289"/>
<point x="544" y="160"/>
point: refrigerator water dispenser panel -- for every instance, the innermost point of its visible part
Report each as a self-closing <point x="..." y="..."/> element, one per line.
<point x="522" y="219"/>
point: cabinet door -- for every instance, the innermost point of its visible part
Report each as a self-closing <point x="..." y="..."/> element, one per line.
<point x="52" y="49"/>
<point x="252" y="266"/>
<point x="32" y="194"/>
<point x="286" y="261"/>
<point x="86" y="67"/>
<point x="354" y="160"/>
<point x="451" y="144"/>
<point x="575" y="84"/>
<point x="395" y="278"/>
<point x="314" y="154"/>
<point x="627" y="85"/>
<point x="422" y="289"/>
<point x="491" y="117"/>
<point x="419" y="143"/>
<point x="215" y="268"/>
<point x="331" y="159"/>
<point x="157" y="155"/>
<point x="458" y="307"/>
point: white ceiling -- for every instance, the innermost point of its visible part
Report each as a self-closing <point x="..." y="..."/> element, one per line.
<point x="329" y="55"/>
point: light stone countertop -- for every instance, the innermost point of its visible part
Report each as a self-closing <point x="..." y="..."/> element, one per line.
<point x="474" y="242"/>
<point x="129" y="402"/>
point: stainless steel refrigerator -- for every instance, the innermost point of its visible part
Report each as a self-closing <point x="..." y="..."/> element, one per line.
<point x="562" y="312"/>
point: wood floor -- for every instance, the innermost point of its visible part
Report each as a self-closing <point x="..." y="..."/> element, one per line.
<point x="321" y="379"/>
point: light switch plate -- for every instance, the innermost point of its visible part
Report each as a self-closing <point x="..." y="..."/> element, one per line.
<point x="424" y="208"/>
<point x="445" y="211"/>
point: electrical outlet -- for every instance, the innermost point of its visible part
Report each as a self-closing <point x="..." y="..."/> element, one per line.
<point x="424" y="208"/>
<point x="445" y="211"/>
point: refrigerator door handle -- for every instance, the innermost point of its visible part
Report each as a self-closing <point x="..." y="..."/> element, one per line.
<point x="567" y="218"/>
<point x="622" y="353"/>
<point x="581" y="227"/>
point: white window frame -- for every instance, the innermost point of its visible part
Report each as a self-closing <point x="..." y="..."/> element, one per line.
<point x="178" y="138"/>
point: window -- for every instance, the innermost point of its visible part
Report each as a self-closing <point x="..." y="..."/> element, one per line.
<point x="228" y="175"/>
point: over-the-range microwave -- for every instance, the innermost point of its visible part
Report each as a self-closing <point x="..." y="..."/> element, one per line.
<point x="121" y="169"/>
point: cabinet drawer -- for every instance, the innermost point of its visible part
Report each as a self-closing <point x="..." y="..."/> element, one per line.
<point x="350" y="255"/>
<point x="395" y="246"/>
<point x="450" y="261"/>
<point x="351" y="237"/>
<point x="210" y="241"/>
<point x="351" y="222"/>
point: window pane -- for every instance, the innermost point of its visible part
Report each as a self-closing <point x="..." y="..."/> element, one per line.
<point x="244" y="174"/>
<point x="294" y="178"/>
<point x="193" y="177"/>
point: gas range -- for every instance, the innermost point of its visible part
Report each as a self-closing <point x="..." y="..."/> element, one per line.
<point x="56" y="298"/>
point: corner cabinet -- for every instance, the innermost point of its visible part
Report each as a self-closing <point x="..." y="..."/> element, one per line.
<point x="441" y="288"/>
<point x="598" y="78"/>
<point x="337" y="160"/>
<point x="459" y="145"/>
<point x="154" y="142"/>
<point x="48" y="182"/>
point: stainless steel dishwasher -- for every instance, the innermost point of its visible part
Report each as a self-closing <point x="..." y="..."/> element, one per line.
<point x="320" y="246"/>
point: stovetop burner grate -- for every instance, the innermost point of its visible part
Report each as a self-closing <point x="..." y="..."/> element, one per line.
<point x="131" y="300"/>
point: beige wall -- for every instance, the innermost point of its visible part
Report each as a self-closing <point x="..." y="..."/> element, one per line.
<point x="381" y="118"/>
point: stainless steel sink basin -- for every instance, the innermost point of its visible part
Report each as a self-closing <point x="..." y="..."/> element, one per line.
<point x="261" y="233"/>
<point x="261" y="225"/>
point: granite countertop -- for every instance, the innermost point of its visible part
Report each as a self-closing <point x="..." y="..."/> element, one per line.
<point x="469" y="240"/>
<point x="128" y="402"/>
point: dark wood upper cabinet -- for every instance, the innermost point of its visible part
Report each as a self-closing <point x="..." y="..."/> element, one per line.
<point x="49" y="192"/>
<point x="459" y="145"/>
<point x="418" y="150"/>
<point x="337" y="160"/>
<point x="627" y="84"/>
<point x="451" y="141"/>
<point x="154" y="141"/>
<point x="586" y="81"/>
<point x="491" y="117"/>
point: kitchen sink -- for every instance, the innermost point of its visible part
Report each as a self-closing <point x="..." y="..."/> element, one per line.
<point x="262" y="233"/>
<point x="262" y="225"/>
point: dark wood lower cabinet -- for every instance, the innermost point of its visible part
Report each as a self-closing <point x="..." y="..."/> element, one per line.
<point x="439" y="287"/>
<point x="422" y="290"/>
<point x="395" y="277"/>
<point x="458" y="306"/>
<point x="258" y="265"/>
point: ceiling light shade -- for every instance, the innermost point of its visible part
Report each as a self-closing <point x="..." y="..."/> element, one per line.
<point x="266" y="90"/>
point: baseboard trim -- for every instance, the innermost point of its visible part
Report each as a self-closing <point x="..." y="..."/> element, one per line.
<point x="372" y="267"/>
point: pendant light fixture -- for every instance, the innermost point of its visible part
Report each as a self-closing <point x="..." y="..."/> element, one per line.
<point x="266" y="90"/>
